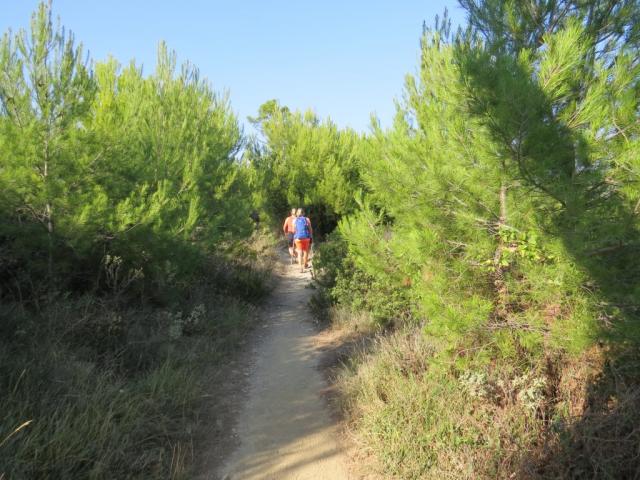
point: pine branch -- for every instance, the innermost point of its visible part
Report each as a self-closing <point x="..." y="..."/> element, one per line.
<point x="612" y="248"/>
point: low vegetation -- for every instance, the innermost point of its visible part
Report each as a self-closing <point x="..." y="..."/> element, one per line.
<point x="93" y="388"/>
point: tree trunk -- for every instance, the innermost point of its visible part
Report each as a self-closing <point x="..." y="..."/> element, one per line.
<point x="501" y="222"/>
<point x="498" y="277"/>
<point x="48" y="216"/>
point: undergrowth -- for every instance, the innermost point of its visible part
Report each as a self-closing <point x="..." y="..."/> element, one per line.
<point x="492" y="404"/>
<point x="92" y="387"/>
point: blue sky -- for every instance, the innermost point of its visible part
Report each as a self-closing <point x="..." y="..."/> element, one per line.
<point x="343" y="59"/>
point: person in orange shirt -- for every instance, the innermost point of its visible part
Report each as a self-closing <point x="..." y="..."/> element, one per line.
<point x="303" y="236"/>
<point x="289" y="228"/>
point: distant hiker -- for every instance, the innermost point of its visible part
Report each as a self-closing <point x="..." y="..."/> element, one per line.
<point x="303" y="235"/>
<point x="289" y="228"/>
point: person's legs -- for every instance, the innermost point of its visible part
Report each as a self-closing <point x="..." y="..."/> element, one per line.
<point x="292" y="247"/>
<point x="297" y="247"/>
<point x="301" y="256"/>
<point x="302" y="245"/>
<point x="303" y="253"/>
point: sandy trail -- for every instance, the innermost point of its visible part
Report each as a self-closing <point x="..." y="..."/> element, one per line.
<point x="284" y="428"/>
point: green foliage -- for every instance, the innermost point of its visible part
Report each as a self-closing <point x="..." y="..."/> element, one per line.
<point x="503" y="205"/>
<point x="426" y="227"/>
<point x="103" y="161"/>
<point x="496" y="155"/>
<point x="497" y="221"/>
<point x="303" y="163"/>
<point x="114" y="187"/>
<point x="329" y="259"/>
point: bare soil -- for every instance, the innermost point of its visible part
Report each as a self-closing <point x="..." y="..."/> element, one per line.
<point x="273" y="421"/>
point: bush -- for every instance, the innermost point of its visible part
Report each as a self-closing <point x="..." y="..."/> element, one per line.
<point x="343" y="283"/>
<point x="111" y="390"/>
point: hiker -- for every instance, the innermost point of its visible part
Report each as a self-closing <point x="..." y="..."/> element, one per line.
<point x="303" y="234"/>
<point x="288" y="228"/>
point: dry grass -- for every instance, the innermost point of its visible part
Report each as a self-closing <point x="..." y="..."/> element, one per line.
<point x="414" y="415"/>
<point x="93" y="389"/>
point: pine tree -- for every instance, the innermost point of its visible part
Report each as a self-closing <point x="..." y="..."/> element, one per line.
<point x="561" y="109"/>
<point x="45" y="93"/>
<point x="301" y="161"/>
<point x="102" y="162"/>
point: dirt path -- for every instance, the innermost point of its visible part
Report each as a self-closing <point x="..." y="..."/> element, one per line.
<point x="284" y="430"/>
